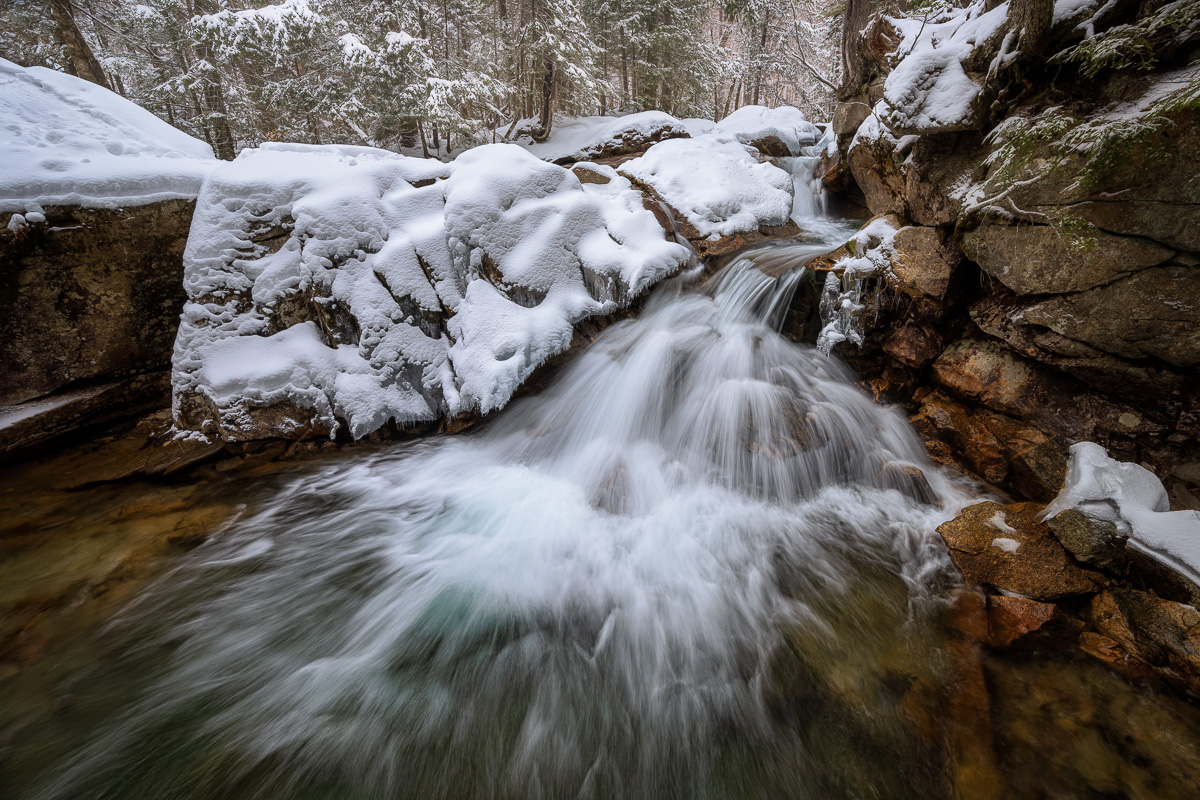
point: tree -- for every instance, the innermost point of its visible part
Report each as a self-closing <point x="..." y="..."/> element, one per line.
<point x="82" y="62"/>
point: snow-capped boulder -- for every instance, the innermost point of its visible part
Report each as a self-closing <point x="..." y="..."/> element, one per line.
<point x="1128" y="502"/>
<point x="781" y="131"/>
<point x="333" y="286"/>
<point x="99" y="195"/>
<point x="65" y="141"/>
<point x="716" y="184"/>
<point x="594" y="138"/>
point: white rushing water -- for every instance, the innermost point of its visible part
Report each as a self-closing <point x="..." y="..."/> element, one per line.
<point x="588" y="598"/>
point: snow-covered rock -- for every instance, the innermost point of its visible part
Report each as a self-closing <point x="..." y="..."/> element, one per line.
<point x="929" y="88"/>
<point x="716" y="183"/>
<point x="1133" y="500"/>
<point x="590" y="138"/>
<point x="756" y="124"/>
<point x="334" y="286"/>
<point x="65" y="141"/>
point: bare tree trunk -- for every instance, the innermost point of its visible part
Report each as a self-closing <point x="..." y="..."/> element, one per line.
<point x="83" y="62"/>
<point x="546" y="114"/>
<point x="853" y="64"/>
<point x="1032" y="20"/>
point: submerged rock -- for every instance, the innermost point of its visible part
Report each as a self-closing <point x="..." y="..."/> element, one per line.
<point x="1159" y="633"/>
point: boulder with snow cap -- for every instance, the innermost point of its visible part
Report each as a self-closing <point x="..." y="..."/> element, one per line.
<point x="1126" y="502"/>
<point x="336" y="287"/>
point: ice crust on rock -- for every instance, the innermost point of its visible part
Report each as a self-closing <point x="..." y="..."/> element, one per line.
<point x="869" y="255"/>
<point x="1132" y="498"/>
<point x="364" y="286"/>
<point x="66" y="141"/>
<point x="716" y="183"/>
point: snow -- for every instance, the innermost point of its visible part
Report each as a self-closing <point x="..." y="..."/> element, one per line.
<point x="716" y="183"/>
<point x="1000" y="522"/>
<point x="696" y="126"/>
<point x="1069" y="9"/>
<point x="1133" y="499"/>
<point x="928" y="89"/>
<point x="751" y="123"/>
<point x="585" y="138"/>
<point x="367" y="297"/>
<point x="65" y="141"/>
<point x="1006" y="544"/>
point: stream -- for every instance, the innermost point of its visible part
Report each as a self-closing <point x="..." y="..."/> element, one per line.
<point x="701" y="563"/>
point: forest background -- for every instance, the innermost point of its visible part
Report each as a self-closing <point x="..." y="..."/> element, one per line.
<point x="430" y="76"/>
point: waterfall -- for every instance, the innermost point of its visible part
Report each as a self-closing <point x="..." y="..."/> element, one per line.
<point x="591" y="597"/>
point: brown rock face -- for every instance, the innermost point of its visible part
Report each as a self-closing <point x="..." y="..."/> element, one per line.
<point x="1154" y="313"/>
<point x="1019" y="620"/>
<point x="1040" y="259"/>
<point x="90" y="294"/>
<point x="923" y="261"/>
<point x="89" y="304"/>
<point x="1157" y="632"/>
<point x="1008" y="548"/>
<point x="876" y="172"/>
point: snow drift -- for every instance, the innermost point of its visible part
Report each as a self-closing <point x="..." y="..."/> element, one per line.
<point x="65" y="141"/>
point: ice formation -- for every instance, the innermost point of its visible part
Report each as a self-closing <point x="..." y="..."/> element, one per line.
<point x="869" y="256"/>
<point x="65" y="141"/>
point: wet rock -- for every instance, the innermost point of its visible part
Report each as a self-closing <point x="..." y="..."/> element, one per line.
<point x="1021" y="621"/>
<point x="1041" y="259"/>
<point x="954" y="434"/>
<point x="64" y="416"/>
<point x="1009" y="548"/>
<point x="914" y="345"/>
<point x="1092" y="541"/>
<point x="1161" y="633"/>
<point x="910" y="481"/>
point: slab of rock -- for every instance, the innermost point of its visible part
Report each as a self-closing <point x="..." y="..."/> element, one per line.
<point x="1161" y="633"/>
<point x="1008" y="548"/>
<point x="923" y="261"/>
<point x="1040" y="259"/>
<point x="1021" y="621"/>
<point x="1154" y="313"/>
<point x="89" y="294"/>
<point x="65" y="416"/>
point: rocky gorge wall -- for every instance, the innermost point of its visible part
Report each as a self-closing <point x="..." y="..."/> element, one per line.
<point x="89" y="303"/>
<point x="1043" y="283"/>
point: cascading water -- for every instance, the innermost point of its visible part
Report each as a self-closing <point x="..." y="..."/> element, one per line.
<point x="685" y="569"/>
